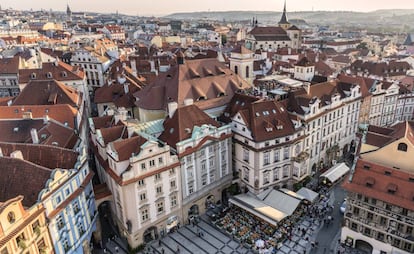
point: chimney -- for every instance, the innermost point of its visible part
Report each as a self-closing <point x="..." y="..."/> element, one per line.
<point x="307" y="85"/>
<point x="134" y="67"/>
<point x="45" y="119"/>
<point x="126" y="88"/>
<point x="35" y="136"/>
<point x="188" y="102"/>
<point x="172" y="107"/>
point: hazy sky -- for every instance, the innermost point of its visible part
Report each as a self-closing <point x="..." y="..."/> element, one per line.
<point x="162" y="7"/>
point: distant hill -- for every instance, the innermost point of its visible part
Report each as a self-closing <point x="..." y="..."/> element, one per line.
<point x="384" y="17"/>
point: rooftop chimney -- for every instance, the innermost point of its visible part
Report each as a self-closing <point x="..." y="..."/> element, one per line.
<point x="35" y="136"/>
<point x="172" y="107"/>
<point x="188" y="102"/>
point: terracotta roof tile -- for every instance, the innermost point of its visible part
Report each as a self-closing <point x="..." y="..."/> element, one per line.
<point x="383" y="184"/>
<point x="63" y="113"/>
<point x="47" y="93"/>
<point x="126" y="147"/>
<point x="180" y="126"/>
<point x="20" y="177"/>
<point x="177" y="84"/>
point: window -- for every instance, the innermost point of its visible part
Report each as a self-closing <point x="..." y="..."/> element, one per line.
<point x="159" y="189"/>
<point x="141" y="183"/>
<point x="172" y="171"/>
<point x="152" y="163"/>
<point x="157" y="177"/>
<point x="11" y="217"/>
<point x="172" y="184"/>
<point x="190" y="187"/>
<point x="286" y="153"/>
<point x="142" y="166"/>
<point x="173" y="201"/>
<point x="59" y="222"/>
<point x="160" y="207"/>
<point x="236" y="69"/>
<point x="266" y="177"/>
<point x="76" y="208"/>
<point x="275" y="174"/>
<point x="245" y="155"/>
<point x="246" y="174"/>
<point x="286" y="171"/>
<point x="402" y="147"/>
<point x="266" y="158"/>
<point x="144" y="215"/>
<point x="247" y="71"/>
<point x="160" y="160"/>
<point x="276" y="155"/>
<point x="143" y="196"/>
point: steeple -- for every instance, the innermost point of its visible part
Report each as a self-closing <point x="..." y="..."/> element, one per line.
<point x="283" y="19"/>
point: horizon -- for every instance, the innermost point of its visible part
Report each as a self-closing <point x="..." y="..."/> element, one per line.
<point x="181" y="6"/>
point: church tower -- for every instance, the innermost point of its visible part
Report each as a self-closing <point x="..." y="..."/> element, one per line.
<point x="283" y="23"/>
<point x="68" y="13"/>
<point x="241" y="62"/>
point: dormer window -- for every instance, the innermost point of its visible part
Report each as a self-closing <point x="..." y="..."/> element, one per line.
<point x="33" y="76"/>
<point x="402" y="147"/>
<point x="64" y="74"/>
<point x="49" y="75"/>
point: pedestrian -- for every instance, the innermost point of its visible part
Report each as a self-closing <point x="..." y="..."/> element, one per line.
<point x="104" y="250"/>
<point x="116" y="249"/>
<point x="162" y="250"/>
<point x="159" y="242"/>
<point x="178" y="249"/>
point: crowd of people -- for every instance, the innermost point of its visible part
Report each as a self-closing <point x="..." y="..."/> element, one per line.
<point x="250" y="230"/>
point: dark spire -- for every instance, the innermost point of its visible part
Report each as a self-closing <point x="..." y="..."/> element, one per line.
<point x="283" y="19"/>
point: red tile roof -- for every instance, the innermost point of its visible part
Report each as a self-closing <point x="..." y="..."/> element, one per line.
<point x="62" y="113"/>
<point x="49" y="133"/>
<point x="383" y="184"/>
<point x="180" y="126"/>
<point x="190" y="81"/>
<point x="48" y="92"/>
<point x="126" y="147"/>
<point x="20" y="177"/>
<point x="59" y="71"/>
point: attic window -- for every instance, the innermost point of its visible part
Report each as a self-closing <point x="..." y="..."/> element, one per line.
<point x="64" y="74"/>
<point x="242" y="104"/>
<point x="387" y="173"/>
<point x="43" y="136"/>
<point x="15" y="129"/>
<point x="269" y="129"/>
<point x="369" y="182"/>
<point x="274" y="111"/>
<point x="169" y="76"/>
<point x="279" y="127"/>
<point x="171" y="130"/>
<point x="265" y="113"/>
<point x="33" y="75"/>
<point x="402" y="147"/>
<point x="49" y="75"/>
<point x="392" y="188"/>
<point x="367" y="167"/>
<point x="257" y="114"/>
<point x="201" y="98"/>
<point x="411" y="179"/>
<point x="221" y="94"/>
<point x="16" y="110"/>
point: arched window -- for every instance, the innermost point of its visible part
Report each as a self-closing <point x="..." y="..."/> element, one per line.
<point x="236" y="69"/>
<point x="247" y="71"/>
<point x="402" y="147"/>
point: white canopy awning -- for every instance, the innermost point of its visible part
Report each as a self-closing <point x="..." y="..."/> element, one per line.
<point x="308" y="194"/>
<point x="336" y="172"/>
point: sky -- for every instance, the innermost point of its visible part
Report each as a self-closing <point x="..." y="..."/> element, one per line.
<point x="164" y="7"/>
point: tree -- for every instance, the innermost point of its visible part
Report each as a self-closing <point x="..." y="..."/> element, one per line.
<point x="362" y="45"/>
